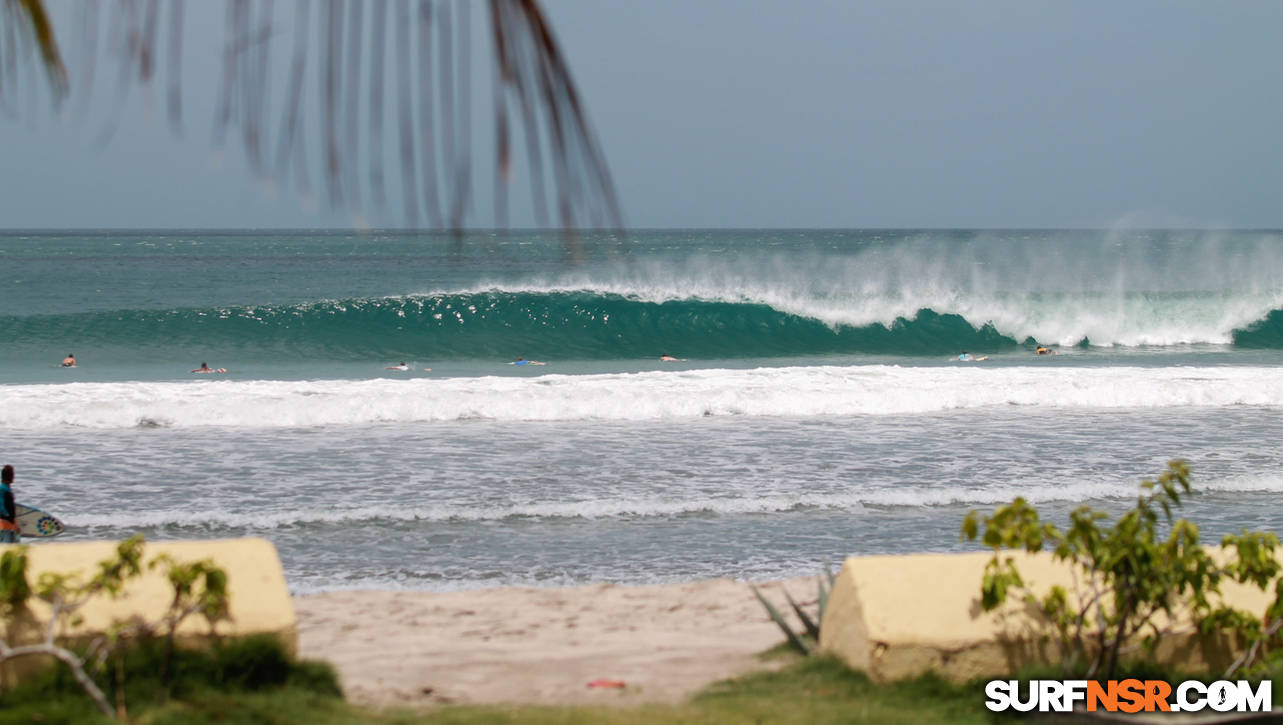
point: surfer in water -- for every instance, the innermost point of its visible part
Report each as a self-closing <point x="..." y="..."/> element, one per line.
<point x="402" y="366"/>
<point x="9" y="532"/>
<point x="69" y="361"/>
<point x="523" y="361"/>
<point x="203" y="369"/>
<point x="668" y="358"/>
<point x="1043" y="350"/>
<point x="965" y="356"/>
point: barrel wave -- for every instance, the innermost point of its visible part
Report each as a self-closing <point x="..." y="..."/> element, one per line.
<point x="592" y="324"/>
<point x="1263" y="334"/>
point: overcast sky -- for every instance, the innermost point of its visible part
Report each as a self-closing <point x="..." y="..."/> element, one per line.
<point x="744" y="113"/>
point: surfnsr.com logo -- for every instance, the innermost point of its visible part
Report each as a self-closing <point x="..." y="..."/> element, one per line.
<point x="1128" y="696"/>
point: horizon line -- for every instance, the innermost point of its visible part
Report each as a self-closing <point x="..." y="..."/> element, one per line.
<point x="624" y="231"/>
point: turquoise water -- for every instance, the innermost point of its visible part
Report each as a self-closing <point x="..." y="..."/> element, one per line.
<point x="816" y="409"/>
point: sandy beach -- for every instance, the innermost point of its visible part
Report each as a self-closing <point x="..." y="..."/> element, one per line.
<point x="536" y="645"/>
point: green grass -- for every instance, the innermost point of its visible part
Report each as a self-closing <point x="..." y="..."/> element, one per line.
<point x="810" y="691"/>
<point x="254" y="684"/>
<point x="155" y="682"/>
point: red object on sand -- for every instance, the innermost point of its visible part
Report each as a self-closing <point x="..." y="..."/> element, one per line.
<point x="610" y="684"/>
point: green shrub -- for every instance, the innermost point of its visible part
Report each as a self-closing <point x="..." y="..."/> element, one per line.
<point x="133" y="677"/>
<point x="1134" y="579"/>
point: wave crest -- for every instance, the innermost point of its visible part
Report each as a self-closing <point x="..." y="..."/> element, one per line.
<point x="634" y="323"/>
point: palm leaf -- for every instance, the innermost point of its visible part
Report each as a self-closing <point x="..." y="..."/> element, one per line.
<point x="793" y="639"/>
<point x="825" y="591"/>
<point x="430" y="105"/>
<point x="30" y="19"/>
<point x="812" y="628"/>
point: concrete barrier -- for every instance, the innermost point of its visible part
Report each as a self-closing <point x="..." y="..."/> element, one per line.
<point x="259" y="600"/>
<point x="894" y="617"/>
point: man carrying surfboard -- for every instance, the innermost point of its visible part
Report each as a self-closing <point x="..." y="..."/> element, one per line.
<point x="8" y="509"/>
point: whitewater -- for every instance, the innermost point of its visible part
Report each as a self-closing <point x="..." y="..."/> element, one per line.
<point x="816" y="409"/>
<point x="825" y="391"/>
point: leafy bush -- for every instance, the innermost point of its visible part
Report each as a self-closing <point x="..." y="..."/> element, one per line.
<point x="252" y="664"/>
<point x="1133" y="584"/>
<point x="98" y="664"/>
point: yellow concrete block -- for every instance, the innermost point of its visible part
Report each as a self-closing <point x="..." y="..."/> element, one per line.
<point x="894" y="617"/>
<point x="259" y="599"/>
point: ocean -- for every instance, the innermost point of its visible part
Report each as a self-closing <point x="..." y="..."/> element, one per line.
<point x="816" y="410"/>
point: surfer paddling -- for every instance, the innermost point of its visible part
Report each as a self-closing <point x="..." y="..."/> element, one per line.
<point x="402" y="366"/>
<point x="69" y="361"/>
<point x="523" y="361"/>
<point x="206" y="369"/>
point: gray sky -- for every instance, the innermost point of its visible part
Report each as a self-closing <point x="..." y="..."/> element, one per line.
<point x="746" y="113"/>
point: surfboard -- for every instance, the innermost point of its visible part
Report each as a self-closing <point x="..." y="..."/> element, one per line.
<point x="36" y="524"/>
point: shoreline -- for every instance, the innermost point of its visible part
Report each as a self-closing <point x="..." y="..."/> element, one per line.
<point x="542" y="645"/>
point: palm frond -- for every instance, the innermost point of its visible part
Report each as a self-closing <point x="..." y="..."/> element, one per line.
<point x="334" y="43"/>
<point x="26" y="22"/>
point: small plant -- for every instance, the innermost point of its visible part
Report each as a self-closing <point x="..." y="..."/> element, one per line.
<point x="1132" y="583"/>
<point x="199" y="587"/>
<point x="14" y="590"/>
<point x="806" y="641"/>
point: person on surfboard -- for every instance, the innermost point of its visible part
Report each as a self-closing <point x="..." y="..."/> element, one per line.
<point x="9" y="532"/>
<point x="402" y="366"/>
<point x="523" y="361"/>
<point x="207" y="369"/>
<point x="69" y="361"/>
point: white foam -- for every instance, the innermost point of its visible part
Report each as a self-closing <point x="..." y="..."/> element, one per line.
<point x="1126" y="288"/>
<point x="1106" y="318"/>
<point x="787" y="391"/>
<point x="608" y="508"/>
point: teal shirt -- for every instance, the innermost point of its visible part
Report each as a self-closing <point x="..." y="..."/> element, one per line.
<point x="7" y="507"/>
